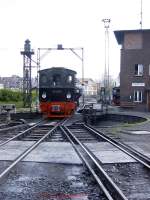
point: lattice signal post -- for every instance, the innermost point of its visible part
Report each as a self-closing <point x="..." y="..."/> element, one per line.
<point x="27" y="85"/>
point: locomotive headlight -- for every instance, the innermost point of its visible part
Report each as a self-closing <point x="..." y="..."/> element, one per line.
<point x="44" y="95"/>
<point x="68" y="95"/>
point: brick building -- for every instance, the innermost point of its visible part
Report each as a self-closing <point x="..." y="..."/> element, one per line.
<point x="135" y="68"/>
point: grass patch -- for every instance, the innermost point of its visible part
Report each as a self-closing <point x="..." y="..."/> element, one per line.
<point x="18" y="104"/>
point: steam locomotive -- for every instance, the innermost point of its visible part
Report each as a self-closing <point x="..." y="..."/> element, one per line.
<point x="58" y="94"/>
<point x="116" y="96"/>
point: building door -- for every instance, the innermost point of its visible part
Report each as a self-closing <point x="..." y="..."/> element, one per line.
<point x="148" y="100"/>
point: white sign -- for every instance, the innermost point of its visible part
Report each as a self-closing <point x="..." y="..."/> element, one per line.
<point x="138" y="84"/>
<point x="97" y="106"/>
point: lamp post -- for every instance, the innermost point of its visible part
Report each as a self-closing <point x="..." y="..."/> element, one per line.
<point x="106" y="71"/>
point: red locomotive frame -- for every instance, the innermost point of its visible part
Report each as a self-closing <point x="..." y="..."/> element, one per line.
<point x="58" y="109"/>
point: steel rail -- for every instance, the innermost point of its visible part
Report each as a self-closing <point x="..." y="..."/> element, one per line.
<point x="103" y="180"/>
<point x="123" y="147"/>
<point x="26" y="152"/>
<point x="22" y="133"/>
<point x="13" y="127"/>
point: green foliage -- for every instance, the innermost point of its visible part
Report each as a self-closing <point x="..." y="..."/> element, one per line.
<point x="34" y="95"/>
<point x="7" y="95"/>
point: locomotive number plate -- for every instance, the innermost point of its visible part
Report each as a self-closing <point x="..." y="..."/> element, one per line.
<point x="56" y="108"/>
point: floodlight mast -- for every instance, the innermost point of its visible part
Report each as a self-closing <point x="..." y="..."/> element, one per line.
<point x="60" y="47"/>
<point x="141" y="14"/>
<point x="106" y="70"/>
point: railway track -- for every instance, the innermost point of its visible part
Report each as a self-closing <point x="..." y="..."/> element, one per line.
<point x="87" y="131"/>
<point x="41" y="138"/>
<point x="105" y="183"/>
<point x="9" y="134"/>
<point x="144" y="160"/>
<point x="93" y="163"/>
<point x="79" y="135"/>
<point x="10" y="173"/>
<point x="27" y="132"/>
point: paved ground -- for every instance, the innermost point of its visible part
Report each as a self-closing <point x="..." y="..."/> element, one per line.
<point x="56" y="152"/>
<point x="107" y="153"/>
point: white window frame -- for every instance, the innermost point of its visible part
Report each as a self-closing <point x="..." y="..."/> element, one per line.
<point x="138" y="96"/>
<point x="140" y="69"/>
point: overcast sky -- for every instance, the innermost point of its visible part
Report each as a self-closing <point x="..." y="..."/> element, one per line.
<point x="72" y="23"/>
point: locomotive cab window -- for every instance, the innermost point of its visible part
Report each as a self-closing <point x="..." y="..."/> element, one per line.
<point x="69" y="79"/>
<point x="44" y="79"/>
<point x="56" y="79"/>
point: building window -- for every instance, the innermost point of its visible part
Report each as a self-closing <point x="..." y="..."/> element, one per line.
<point x="138" y="70"/>
<point x="138" y="96"/>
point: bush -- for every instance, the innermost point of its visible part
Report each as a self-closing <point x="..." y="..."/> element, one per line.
<point x="7" y="95"/>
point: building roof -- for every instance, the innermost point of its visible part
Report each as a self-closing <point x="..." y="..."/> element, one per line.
<point x="55" y="69"/>
<point x="120" y="33"/>
<point x="86" y="80"/>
